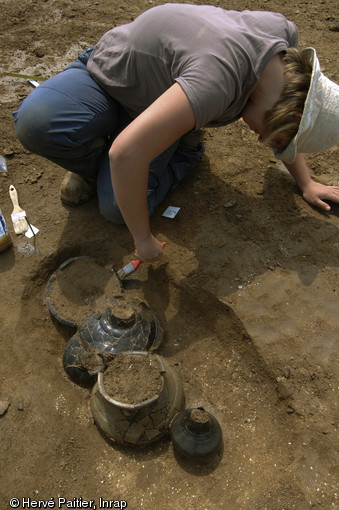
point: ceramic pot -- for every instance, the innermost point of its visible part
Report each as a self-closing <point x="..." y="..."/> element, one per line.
<point x="138" y="423"/>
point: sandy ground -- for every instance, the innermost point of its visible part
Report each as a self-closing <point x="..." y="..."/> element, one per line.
<point x="247" y="295"/>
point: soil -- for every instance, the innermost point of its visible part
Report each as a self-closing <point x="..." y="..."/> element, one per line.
<point x="247" y="295"/>
<point x="132" y="379"/>
<point x="200" y="416"/>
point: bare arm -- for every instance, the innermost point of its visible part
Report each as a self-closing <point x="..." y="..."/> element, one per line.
<point x="313" y="192"/>
<point x="166" y="120"/>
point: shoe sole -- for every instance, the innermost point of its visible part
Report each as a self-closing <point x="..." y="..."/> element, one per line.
<point x="79" y="202"/>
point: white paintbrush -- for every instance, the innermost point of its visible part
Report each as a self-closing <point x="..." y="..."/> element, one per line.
<point x="20" y="223"/>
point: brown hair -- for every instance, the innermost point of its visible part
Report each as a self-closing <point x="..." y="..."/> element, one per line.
<point x="282" y="121"/>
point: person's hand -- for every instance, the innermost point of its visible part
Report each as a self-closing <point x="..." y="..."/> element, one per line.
<point x="149" y="250"/>
<point x="315" y="194"/>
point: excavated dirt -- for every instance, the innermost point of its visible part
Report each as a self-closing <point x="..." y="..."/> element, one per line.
<point x="132" y="379"/>
<point x="247" y="295"/>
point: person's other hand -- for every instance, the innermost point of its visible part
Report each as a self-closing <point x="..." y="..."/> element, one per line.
<point x="315" y="194"/>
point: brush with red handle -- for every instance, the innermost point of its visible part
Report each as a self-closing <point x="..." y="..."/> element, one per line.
<point x="131" y="267"/>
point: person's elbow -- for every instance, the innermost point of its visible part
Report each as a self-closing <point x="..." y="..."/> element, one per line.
<point x="119" y="154"/>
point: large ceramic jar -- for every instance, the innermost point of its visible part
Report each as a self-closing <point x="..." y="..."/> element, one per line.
<point x="138" y="423"/>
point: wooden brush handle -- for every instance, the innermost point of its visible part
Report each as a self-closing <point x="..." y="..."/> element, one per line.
<point x="14" y="196"/>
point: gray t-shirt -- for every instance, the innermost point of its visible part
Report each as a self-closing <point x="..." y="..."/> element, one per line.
<point x="217" y="57"/>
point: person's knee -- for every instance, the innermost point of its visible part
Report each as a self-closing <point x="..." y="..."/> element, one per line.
<point x="30" y="125"/>
<point x="109" y="209"/>
<point x="24" y="127"/>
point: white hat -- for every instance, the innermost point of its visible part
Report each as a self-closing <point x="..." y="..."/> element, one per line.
<point x="319" y="125"/>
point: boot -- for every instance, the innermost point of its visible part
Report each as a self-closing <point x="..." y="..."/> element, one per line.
<point x="76" y="190"/>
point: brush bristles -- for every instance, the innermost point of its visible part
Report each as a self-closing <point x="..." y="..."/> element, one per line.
<point x="121" y="274"/>
<point x="20" y="226"/>
<point x="125" y="271"/>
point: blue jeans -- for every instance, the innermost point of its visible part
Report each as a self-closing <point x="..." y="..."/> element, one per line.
<point x="70" y="120"/>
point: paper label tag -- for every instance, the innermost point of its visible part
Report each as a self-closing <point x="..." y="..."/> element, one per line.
<point x="29" y="232"/>
<point x="34" y="83"/>
<point x="18" y="216"/>
<point x="171" y="211"/>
